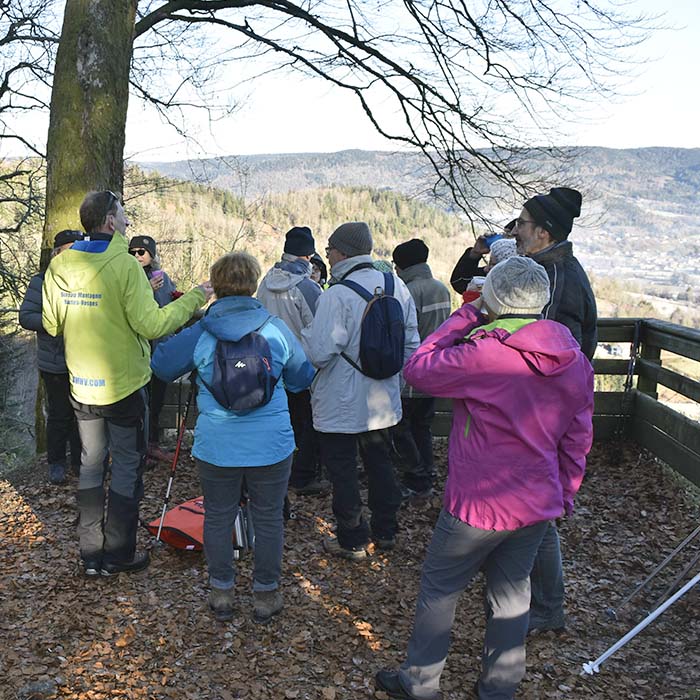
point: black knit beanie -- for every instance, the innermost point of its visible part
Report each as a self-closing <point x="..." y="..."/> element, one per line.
<point x="299" y="241"/>
<point x="410" y="253"/>
<point x="145" y="242"/>
<point x="556" y="211"/>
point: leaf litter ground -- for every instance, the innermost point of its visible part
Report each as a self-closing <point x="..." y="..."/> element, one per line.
<point x="151" y="636"/>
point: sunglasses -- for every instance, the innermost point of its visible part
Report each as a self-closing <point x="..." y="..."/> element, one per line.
<point x="138" y="251"/>
<point x="113" y="199"/>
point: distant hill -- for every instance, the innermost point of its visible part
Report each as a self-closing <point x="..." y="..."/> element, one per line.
<point x="641" y="214"/>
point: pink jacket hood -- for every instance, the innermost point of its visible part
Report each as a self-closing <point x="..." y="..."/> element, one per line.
<point x="522" y="416"/>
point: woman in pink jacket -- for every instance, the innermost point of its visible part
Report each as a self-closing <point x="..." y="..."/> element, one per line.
<point x="522" y="427"/>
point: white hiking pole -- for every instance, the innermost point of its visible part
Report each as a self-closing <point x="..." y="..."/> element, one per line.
<point x="592" y="667"/>
<point x="176" y="456"/>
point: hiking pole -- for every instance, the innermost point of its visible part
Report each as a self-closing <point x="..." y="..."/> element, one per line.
<point x="678" y="579"/>
<point x="176" y="456"/>
<point x="612" y="612"/>
<point x="592" y="667"/>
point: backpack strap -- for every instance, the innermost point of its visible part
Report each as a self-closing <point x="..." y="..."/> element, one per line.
<point x="358" y="289"/>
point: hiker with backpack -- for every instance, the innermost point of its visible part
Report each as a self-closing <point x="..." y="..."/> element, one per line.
<point x="364" y="330"/>
<point x="245" y="358"/>
<point x="522" y="394"/>
<point x="287" y="291"/>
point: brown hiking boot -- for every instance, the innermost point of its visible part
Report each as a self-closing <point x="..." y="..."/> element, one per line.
<point x="221" y="603"/>
<point x="266" y="604"/>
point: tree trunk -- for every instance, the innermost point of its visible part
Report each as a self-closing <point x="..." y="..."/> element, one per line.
<point x="85" y="149"/>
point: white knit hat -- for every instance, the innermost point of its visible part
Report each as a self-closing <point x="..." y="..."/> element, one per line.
<point x="501" y="250"/>
<point x="516" y="286"/>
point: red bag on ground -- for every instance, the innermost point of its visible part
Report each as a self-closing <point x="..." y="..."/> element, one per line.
<point x="183" y="526"/>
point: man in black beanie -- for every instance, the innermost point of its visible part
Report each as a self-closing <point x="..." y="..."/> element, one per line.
<point x="541" y="233"/>
<point x="287" y="291"/>
<point x="412" y="437"/>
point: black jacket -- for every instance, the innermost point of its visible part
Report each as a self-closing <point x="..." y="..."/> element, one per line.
<point x="50" y="352"/>
<point x="572" y="302"/>
<point x="466" y="268"/>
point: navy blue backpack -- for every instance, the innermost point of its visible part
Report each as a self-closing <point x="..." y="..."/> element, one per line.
<point x="242" y="378"/>
<point x="382" y="331"/>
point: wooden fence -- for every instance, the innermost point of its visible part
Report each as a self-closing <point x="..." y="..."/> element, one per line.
<point x="626" y="399"/>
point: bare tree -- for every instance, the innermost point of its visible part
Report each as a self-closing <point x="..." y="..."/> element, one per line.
<point x="474" y="84"/>
<point x="27" y="50"/>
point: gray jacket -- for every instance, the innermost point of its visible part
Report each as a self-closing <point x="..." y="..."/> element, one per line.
<point x="343" y="399"/>
<point x="289" y="293"/>
<point x="433" y="305"/>
<point x="50" y="353"/>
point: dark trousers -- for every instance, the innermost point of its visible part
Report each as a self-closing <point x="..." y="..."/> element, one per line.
<point x="306" y="462"/>
<point x="119" y="428"/>
<point x="61" y="425"/>
<point x="413" y="443"/>
<point x="339" y="455"/>
<point x="156" y="389"/>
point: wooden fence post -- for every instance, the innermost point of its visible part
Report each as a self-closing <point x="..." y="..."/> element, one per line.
<point x="652" y="353"/>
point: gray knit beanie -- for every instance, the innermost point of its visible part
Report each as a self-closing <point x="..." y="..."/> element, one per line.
<point x="352" y="239"/>
<point x="516" y="286"/>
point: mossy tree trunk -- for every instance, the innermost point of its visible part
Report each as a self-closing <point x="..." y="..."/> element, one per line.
<point x="85" y="149"/>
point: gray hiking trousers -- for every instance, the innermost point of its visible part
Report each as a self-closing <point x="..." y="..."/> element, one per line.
<point x="456" y="553"/>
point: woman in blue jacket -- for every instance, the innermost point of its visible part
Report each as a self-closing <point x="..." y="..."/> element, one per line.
<point x="229" y="446"/>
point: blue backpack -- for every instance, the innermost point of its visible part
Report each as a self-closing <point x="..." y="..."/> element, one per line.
<point x="242" y="378"/>
<point x="382" y="331"/>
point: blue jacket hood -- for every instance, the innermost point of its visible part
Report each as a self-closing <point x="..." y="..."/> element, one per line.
<point x="231" y="318"/>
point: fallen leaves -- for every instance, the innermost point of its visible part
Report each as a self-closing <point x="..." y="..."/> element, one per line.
<point x="150" y="636"/>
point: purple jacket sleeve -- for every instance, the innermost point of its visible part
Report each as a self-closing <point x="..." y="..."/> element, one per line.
<point x="438" y="366"/>
<point x="573" y="448"/>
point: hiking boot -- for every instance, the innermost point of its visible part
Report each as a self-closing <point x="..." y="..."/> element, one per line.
<point x="266" y="604"/>
<point x="91" y="568"/>
<point x="57" y="473"/>
<point x="411" y="496"/>
<point x="138" y="563"/>
<point x="221" y="603"/>
<point x="386" y="544"/>
<point x="314" y="487"/>
<point x="388" y="682"/>
<point x="332" y="546"/>
<point x="556" y="624"/>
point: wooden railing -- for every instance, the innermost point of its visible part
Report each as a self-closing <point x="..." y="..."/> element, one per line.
<point x="627" y="396"/>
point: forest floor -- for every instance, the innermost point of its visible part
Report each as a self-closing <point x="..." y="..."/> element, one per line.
<point x="151" y="636"/>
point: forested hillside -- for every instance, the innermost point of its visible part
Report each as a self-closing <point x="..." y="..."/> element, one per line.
<point x="195" y="224"/>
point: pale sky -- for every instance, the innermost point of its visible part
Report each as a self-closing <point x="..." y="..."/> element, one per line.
<point x="288" y="115"/>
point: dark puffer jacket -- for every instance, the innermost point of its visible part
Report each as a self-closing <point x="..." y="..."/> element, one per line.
<point x="572" y="302"/>
<point x="50" y="353"/>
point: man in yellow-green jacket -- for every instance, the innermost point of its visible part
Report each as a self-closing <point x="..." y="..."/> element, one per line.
<point x="101" y="302"/>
